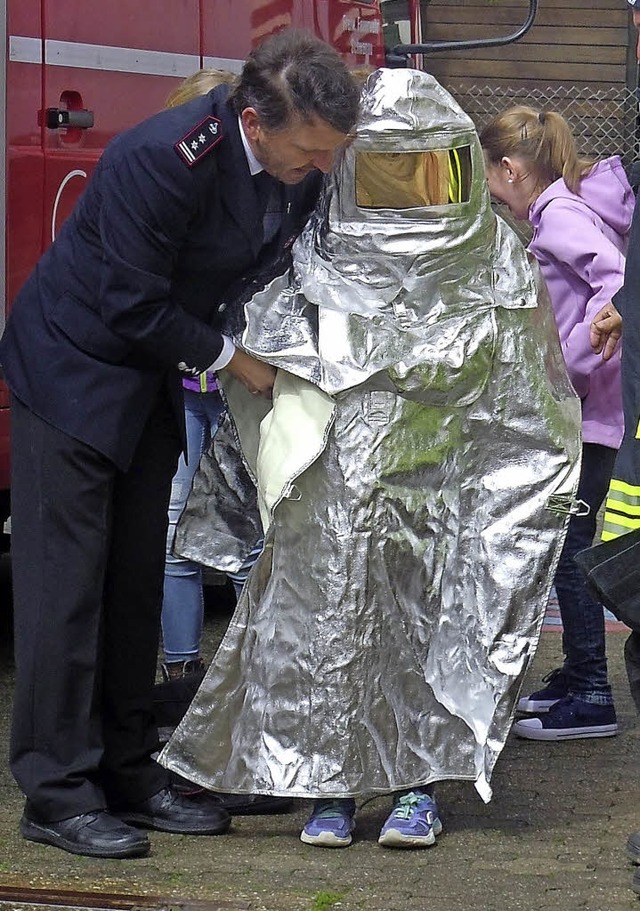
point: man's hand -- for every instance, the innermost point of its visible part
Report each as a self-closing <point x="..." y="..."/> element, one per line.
<point x="606" y="329"/>
<point x="257" y="376"/>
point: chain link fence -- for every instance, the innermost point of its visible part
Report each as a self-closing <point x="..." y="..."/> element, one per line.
<point x="604" y="121"/>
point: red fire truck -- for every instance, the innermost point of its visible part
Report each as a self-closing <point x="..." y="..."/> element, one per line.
<point x="74" y="73"/>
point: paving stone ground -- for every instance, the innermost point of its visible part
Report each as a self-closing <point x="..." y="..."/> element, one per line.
<point x="552" y="838"/>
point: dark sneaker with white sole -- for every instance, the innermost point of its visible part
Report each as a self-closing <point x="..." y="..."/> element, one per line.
<point x="541" y="701"/>
<point x="570" y="719"/>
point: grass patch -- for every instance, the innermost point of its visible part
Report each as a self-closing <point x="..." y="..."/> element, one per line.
<point x="324" y="900"/>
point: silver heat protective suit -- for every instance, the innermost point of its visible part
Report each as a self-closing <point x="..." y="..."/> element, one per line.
<point x="414" y="473"/>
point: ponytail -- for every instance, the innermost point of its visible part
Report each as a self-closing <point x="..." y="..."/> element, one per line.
<point x="543" y="139"/>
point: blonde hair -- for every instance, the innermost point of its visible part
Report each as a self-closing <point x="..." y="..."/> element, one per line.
<point x="543" y="139"/>
<point x="199" y="83"/>
<point x="361" y="74"/>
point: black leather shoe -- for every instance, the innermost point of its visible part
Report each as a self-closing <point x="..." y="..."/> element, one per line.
<point x="253" y="804"/>
<point x="94" y="834"/>
<point x="236" y="804"/>
<point x="171" y="811"/>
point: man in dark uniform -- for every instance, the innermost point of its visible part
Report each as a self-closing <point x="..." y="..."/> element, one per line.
<point x="130" y="294"/>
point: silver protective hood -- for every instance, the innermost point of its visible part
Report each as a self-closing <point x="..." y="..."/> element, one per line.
<point x="414" y="476"/>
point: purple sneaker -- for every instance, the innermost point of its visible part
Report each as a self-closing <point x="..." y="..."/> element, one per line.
<point x="330" y="824"/>
<point x="570" y="719"/>
<point x="413" y="822"/>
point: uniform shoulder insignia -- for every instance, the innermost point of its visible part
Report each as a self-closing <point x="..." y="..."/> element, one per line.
<point x="200" y="140"/>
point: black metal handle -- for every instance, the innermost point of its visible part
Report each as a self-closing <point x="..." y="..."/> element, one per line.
<point x="57" y="118"/>
<point x="400" y="51"/>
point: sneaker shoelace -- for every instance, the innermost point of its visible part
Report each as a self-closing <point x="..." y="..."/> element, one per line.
<point x="553" y="675"/>
<point x="408" y="804"/>
<point x="331" y="812"/>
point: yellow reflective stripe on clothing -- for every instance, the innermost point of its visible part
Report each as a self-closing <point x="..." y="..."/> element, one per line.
<point x="632" y="511"/>
<point x="615" y="525"/>
<point x="203" y="382"/>
<point x="622" y="509"/>
<point x="638" y="430"/>
<point x="627" y="494"/>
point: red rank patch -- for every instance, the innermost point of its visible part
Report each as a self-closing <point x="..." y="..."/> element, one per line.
<point x="200" y="140"/>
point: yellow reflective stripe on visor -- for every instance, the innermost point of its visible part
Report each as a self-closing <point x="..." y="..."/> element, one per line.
<point x="455" y="176"/>
<point x="622" y="510"/>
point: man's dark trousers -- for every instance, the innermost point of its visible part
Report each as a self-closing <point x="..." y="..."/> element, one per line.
<point x="88" y="549"/>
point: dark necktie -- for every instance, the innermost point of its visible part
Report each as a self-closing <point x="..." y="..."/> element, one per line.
<point x="263" y="184"/>
<point x="268" y="191"/>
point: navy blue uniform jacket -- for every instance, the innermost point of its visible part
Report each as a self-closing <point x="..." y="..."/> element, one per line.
<point x="133" y="284"/>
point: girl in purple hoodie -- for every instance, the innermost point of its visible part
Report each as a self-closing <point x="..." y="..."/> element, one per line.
<point x="580" y="212"/>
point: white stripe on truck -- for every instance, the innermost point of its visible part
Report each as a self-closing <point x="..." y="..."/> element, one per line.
<point x="113" y="59"/>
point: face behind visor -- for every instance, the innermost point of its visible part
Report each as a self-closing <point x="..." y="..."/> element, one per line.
<point x="407" y="180"/>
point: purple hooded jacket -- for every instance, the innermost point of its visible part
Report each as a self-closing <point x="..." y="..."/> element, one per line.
<point x="580" y="242"/>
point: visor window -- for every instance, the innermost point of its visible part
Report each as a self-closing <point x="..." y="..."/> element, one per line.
<point x="410" y="180"/>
